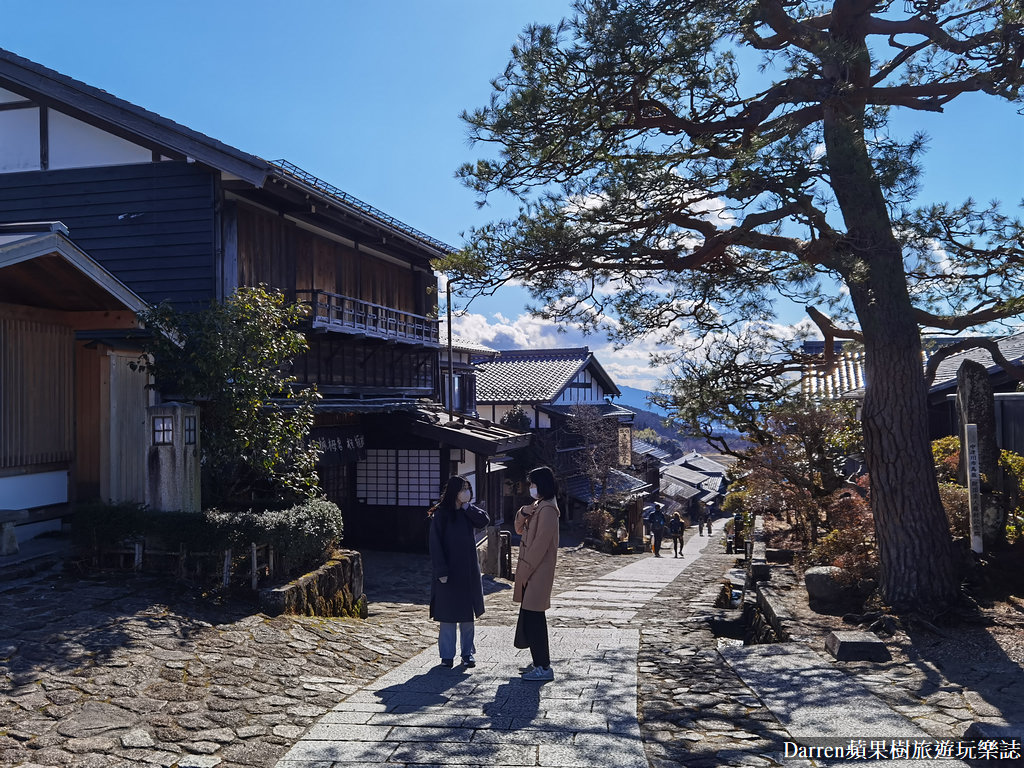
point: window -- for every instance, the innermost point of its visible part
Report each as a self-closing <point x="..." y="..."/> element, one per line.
<point x="190" y="430"/>
<point x="399" y="477"/>
<point x="163" y="430"/>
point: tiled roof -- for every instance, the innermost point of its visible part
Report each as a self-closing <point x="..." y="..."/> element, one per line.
<point x="578" y="487"/>
<point x="605" y="409"/>
<point x="531" y="376"/>
<point x="701" y="464"/>
<point x="678" y="489"/>
<point x="461" y="344"/>
<point x="1012" y="348"/>
<point x="847" y="377"/>
<point x="644" y="448"/>
<point x="821" y="383"/>
<point x="712" y="484"/>
<point x="684" y="475"/>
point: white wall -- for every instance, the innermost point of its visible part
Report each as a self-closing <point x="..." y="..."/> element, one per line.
<point x="7" y="97"/>
<point x="572" y="395"/>
<point x="496" y="412"/>
<point x="72" y="143"/>
<point x="19" y="140"/>
<point x="36" y="490"/>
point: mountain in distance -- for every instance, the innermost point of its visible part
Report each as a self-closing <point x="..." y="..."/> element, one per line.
<point x="636" y="400"/>
<point x="649" y="416"/>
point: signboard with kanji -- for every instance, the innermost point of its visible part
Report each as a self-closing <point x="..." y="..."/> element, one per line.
<point x="338" y="445"/>
<point x="974" y="486"/>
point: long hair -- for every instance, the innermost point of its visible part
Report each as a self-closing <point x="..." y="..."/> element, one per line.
<point x="544" y="479"/>
<point x="450" y="496"/>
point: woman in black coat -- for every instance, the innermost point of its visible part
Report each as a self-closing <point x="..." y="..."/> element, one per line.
<point x="456" y="593"/>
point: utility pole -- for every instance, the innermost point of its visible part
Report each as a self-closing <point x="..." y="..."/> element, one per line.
<point x="451" y="367"/>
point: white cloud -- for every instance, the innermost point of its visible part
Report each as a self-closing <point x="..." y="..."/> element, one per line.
<point x="628" y="366"/>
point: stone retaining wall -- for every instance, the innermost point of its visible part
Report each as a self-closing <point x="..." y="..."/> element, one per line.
<point x="771" y="621"/>
<point x="333" y="589"/>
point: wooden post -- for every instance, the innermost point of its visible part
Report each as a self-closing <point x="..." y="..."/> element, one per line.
<point x="255" y="570"/>
<point x="226" y="575"/>
<point x="974" y="484"/>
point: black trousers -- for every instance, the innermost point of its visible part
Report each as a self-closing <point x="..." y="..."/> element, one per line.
<point x="657" y="542"/>
<point x="535" y="626"/>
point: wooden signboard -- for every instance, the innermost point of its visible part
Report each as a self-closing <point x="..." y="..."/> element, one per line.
<point x="974" y="485"/>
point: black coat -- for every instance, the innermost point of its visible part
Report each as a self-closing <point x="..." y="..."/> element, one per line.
<point x="453" y="554"/>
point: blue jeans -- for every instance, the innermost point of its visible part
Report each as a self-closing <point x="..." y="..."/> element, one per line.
<point x="446" y="638"/>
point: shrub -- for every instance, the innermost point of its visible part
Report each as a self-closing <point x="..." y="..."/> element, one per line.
<point x="95" y="524"/>
<point x="956" y="501"/>
<point x="946" y="454"/>
<point x="850" y="545"/>
<point x="305" y="534"/>
<point x="596" y="521"/>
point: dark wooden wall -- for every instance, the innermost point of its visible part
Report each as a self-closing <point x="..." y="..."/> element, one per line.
<point x="338" y="363"/>
<point x="151" y="224"/>
<point x="36" y="371"/>
<point x="277" y="252"/>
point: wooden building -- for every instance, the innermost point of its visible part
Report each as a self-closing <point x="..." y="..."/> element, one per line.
<point x="178" y="216"/>
<point x="845" y="379"/>
<point x="548" y="384"/>
<point x="72" y="403"/>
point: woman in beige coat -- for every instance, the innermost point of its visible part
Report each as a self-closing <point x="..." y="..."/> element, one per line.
<point x="535" y="570"/>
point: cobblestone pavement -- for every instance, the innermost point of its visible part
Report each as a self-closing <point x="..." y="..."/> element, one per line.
<point x="128" y="671"/>
<point x="121" y="670"/>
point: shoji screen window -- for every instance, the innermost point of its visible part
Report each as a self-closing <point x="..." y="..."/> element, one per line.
<point x="406" y="478"/>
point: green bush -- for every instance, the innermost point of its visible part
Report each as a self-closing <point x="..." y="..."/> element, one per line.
<point x="96" y="524"/>
<point x="304" y="534"/>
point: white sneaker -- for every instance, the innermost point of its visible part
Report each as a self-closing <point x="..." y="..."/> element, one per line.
<point x="539" y="674"/>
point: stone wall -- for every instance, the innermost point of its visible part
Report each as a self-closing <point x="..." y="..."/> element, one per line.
<point x="768" y="619"/>
<point x="333" y="589"/>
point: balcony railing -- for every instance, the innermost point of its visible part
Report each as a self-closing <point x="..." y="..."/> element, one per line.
<point x="331" y="311"/>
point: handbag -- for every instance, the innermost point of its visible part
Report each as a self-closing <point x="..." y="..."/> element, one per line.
<point x="520" y="640"/>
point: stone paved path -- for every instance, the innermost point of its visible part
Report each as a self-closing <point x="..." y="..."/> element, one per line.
<point x="425" y="714"/>
<point x="113" y="671"/>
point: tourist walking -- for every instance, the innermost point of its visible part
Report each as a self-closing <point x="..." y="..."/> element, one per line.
<point x="657" y="522"/>
<point x="456" y="592"/>
<point x="675" y="530"/>
<point x="705" y="522"/>
<point x="537" y="523"/>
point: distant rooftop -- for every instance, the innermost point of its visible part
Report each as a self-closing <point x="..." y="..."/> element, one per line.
<point x="846" y="376"/>
<point x="536" y="376"/>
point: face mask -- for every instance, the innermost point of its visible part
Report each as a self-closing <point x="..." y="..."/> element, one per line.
<point x="465" y="496"/>
<point x="533" y="491"/>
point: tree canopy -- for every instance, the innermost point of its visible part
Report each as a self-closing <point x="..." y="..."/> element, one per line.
<point x="232" y="359"/>
<point x="685" y="166"/>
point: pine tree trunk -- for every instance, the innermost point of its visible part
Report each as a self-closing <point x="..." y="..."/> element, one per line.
<point x="914" y="545"/>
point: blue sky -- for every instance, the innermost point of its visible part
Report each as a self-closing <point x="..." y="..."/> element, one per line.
<point x="367" y="96"/>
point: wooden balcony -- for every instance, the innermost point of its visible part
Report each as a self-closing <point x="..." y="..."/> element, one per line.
<point x="344" y="314"/>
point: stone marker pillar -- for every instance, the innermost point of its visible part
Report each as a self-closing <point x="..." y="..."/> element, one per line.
<point x="172" y="461"/>
<point x="975" y="404"/>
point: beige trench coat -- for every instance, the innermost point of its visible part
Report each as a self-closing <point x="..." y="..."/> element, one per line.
<point x="538" y="549"/>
